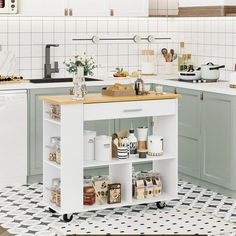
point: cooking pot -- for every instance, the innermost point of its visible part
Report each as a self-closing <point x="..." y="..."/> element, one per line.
<point x="211" y="72"/>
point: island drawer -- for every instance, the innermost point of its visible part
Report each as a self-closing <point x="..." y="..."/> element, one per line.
<point x="119" y="110"/>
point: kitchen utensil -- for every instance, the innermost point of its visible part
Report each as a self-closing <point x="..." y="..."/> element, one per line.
<point x="155" y="145"/>
<point x="211" y="72"/>
<point x="103" y="148"/>
<point x="89" y="145"/>
<point x="172" y="52"/>
<point x="164" y="52"/>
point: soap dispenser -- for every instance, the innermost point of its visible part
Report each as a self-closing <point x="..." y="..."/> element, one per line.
<point x="139" y="85"/>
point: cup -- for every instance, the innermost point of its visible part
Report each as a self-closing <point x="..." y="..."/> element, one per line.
<point x="123" y="153"/>
<point x="142" y="133"/>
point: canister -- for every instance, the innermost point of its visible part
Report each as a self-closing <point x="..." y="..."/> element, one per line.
<point x="89" y="145"/>
<point x="103" y="150"/>
<point x="155" y="145"/>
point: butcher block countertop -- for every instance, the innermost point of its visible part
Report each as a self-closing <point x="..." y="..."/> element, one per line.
<point x="99" y="98"/>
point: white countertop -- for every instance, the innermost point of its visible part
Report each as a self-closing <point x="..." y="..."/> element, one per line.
<point x="218" y="87"/>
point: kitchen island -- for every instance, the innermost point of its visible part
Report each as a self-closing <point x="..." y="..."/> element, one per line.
<point x="70" y="127"/>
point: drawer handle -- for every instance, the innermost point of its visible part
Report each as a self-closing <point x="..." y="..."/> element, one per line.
<point x="133" y="110"/>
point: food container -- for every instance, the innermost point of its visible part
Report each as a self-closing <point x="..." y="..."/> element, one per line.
<point x="55" y="149"/>
<point x="89" y="192"/>
<point x="103" y="150"/>
<point x="89" y="145"/>
<point x="56" y="192"/>
<point x="155" y="145"/>
<point x="100" y="184"/>
<point x="114" y="193"/>
<point x="210" y="72"/>
<point x="55" y="112"/>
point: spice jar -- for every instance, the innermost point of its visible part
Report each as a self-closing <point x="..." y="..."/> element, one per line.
<point x="89" y="192"/>
<point x="58" y="199"/>
<point x="54" y="190"/>
<point x="55" y="149"/>
<point x="55" y="112"/>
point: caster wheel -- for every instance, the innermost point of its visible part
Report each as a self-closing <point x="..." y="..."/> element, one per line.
<point x="51" y="210"/>
<point x="161" y="205"/>
<point x="66" y="218"/>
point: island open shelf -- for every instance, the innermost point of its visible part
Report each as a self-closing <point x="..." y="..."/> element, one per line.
<point x="70" y="129"/>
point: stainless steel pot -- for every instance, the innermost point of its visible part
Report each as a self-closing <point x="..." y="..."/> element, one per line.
<point x="211" y="72"/>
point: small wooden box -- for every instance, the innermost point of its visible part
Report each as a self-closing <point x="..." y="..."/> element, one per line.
<point x="120" y="93"/>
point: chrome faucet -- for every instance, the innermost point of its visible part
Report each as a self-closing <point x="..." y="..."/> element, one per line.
<point x="48" y="70"/>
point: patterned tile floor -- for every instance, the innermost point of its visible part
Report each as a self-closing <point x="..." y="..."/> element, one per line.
<point x="198" y="210"/>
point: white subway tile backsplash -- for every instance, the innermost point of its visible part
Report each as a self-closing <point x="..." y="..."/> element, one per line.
<point x="207" y="39"/>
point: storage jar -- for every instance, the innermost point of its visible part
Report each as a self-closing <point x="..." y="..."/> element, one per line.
<point x="103" y="150"/>
<point x="89" y="145"/>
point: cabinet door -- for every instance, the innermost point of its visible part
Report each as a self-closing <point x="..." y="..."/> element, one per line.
<point x="89" y="7"/>
<point x="129" y="8"/>
<point x="218" y="165"/>
<point x="189" y="132"/>
<point x="42" y="7"/>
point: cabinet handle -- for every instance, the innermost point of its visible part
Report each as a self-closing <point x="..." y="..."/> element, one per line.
<point x="66" y="12"/>
<point x="201" y="97"/>
<point x="70" y="12"/>
<point x="133" y="110"/>
<point x="111" y="12"/>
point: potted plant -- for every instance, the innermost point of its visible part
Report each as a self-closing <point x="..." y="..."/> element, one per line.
<point x="80" y="66"/>
<point x="88" y="63"/>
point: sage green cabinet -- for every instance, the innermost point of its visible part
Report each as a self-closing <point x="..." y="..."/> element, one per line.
<point x="35" y="141"/>
<point x="207" y="136"/>
<point x="189" y="132"/>
<point x="218" y="140"/>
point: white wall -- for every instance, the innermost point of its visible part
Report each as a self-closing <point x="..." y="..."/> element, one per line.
<point x="208" y="39"/>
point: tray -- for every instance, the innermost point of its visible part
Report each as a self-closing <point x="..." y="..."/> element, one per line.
<point x="120" y="93"/>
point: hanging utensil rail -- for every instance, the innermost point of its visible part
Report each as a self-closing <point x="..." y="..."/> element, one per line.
<point x="136" y="39"/>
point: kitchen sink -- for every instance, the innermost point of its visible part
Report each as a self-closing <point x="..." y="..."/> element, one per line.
<point x="60" y="80"/>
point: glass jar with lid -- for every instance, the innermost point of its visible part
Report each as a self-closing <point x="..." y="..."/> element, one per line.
<point x="55" y="149"/>
<point x="54" y="190"/>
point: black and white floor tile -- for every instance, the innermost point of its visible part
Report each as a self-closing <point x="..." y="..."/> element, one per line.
<point x="198" y="210"/>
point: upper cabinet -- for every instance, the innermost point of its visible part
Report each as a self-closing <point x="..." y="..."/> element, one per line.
<point x="87" y="7"/>
<point x="128" y="7"/>
<point x="207" y="8"/>
<point x="84" y="7"/>
<point x="41" y="7"/>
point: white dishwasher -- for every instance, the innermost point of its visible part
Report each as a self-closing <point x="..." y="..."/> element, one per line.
<point x="13" y="137"/>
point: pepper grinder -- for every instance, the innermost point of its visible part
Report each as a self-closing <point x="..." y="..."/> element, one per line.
<point x="139" y="85"/>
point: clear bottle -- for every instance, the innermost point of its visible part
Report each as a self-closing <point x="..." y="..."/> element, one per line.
<point x="133" y="143"/>
<point x="181" y="57"/>
<point x="80" y="89"/>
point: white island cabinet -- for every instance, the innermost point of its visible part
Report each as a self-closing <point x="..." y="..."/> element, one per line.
<point x="70" y="126"/>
